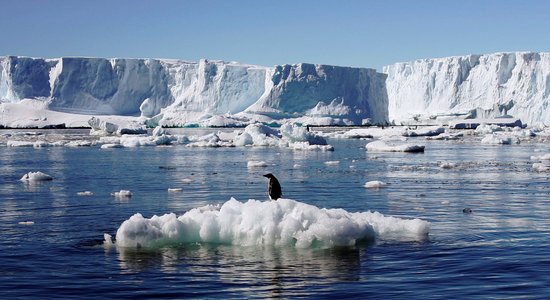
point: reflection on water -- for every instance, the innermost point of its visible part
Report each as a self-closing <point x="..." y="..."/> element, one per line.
<point x="250" y="271"/>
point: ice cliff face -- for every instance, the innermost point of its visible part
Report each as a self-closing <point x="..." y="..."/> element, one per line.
<point x="321" y="90"/>
<point x="516" y="84"/>
<point x="178" y="92"/>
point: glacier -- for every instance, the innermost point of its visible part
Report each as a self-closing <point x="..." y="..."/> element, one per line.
<point x="38" y="92"/>
<point x="180" y="93"/>
<point x="471" y="86"/>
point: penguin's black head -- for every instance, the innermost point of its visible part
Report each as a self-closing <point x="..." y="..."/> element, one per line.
<point x="268" y="175"/>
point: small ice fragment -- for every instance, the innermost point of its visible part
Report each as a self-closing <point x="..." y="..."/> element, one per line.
<point x="108" y="241"/>
<point x="332" y="162"/>
<point x="173" y="190"/>
<point x="85" y="193"/>
<point x="297" y="165"/>
<point x="445" y="202"/>
<point x="36" y="176"/>
<point x="256" y="164"/>
<point x="26" y="223"/>
<point x="186" y="180"/>
<point x="447" y="165"/>
<point x="375" y="184"/>
<point x="123" y="194"/>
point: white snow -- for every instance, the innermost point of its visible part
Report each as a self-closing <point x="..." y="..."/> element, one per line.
<point x="258" y="223"/>
<point x="36" y="176"/>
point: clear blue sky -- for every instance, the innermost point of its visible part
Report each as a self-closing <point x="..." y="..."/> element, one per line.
<point x="360" y="33"/>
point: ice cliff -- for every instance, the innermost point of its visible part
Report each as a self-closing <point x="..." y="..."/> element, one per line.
<point x="482" y="86"/>
<point x="175" y="93"/>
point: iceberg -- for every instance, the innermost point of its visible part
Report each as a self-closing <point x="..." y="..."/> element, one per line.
<point x="471" y="86"/>
<point x="180" y="93"/>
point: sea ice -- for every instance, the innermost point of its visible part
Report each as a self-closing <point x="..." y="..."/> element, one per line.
<point x="375" y="184"/>
<point x="36" y="176"/>
<point x="256" y="164"/>
<point x="380" y="146"/>
<point x="499" y="139"/>
<point x="85" y="193"/>
<point x="258" y="223"/>
<point x="123" y="194"/>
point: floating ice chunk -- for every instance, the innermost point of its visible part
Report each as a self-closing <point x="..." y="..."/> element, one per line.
<point x="544" y="163"/>
<point x="426" y="131"/>
<point x="541" y="167"/>
<point x="20" y="144"/>
<point x="488" y="129"/>
<point x="256" y="164"/>
<point x="279" y="223"/>
<point x="111" y="145"/>
<point x="187" y="180"/>
<point x="85" y="193"/>
<point x="26" y="223"/>
<point x="308" y="146"/>
<point x="447" y="165"/>
<point x="499" y="139"/>
<point x="544" y="157"/>
<point x="159" y="131"/>
<point x="80" y="143"/>
<point x="380" y="146"/>
<point x="332" y="162"/>
<point x="174" y="190"/>
<point x="375" y="184"/>
<point x="107" y="240"/>
<point x="446" y="136"/>
<point x="102" y="127"/>
<point x="209" y="140"/>
<point x="293" y="133"/>
<point x="36" y="176"/>
<point x="374" y="132"/>
<point x="123" y="194"/>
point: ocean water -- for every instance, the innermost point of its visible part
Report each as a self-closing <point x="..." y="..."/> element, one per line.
<point x="499" y="250"/>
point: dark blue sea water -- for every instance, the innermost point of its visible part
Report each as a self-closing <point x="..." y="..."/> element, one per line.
<point x="500" y="250"/>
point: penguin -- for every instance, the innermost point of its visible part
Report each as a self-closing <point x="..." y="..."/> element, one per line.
<point x="273" y="187"/>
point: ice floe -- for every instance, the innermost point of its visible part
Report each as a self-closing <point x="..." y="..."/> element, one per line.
<point x="542" y="164"/>
<point x="381" y="146"/>
<point x="84" y="193"/>
<point x="36" y="176"/>
<point x="375" y="184"/>
<point x="123" y="194"/>
<point x="256" y="164"/>
<point x="498" y="139"/>
<point x="260" y="223"/>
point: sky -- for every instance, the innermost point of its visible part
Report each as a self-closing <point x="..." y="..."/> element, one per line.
<point x="358" y="33"/>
